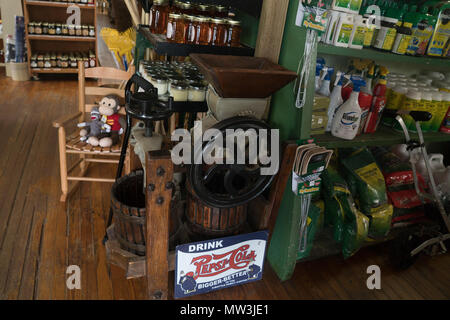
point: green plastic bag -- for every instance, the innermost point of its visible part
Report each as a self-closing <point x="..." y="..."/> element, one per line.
<point x="334" y="216"/>
<point x="380" y="221"/>
<point x="368" y="179"/>
<point x="355" y="231"/>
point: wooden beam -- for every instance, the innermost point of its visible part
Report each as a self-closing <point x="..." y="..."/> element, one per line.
<point x="271" y="29"/>
<point x="159" y="193"/>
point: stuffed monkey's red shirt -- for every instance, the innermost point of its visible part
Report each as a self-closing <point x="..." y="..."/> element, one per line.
<point x="113" y="121"/>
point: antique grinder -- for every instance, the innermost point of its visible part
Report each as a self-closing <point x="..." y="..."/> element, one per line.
<point x="238" y="98"/>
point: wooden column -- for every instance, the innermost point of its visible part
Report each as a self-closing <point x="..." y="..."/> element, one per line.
<point x="159" y="175"/>
<point x="271" y="29"/>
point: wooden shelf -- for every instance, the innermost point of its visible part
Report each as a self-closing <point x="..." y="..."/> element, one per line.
<point x="54" y="70"/>
<point x="59" y="4"/>
<point x="59" y="38"/>
<point x="382" y="56"/>
<point x="53" y="11"/>
<point x="161" y="46"/>
<point x="383" y="136"/>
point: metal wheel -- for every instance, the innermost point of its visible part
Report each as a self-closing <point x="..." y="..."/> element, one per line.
<point x="230" y="185"/>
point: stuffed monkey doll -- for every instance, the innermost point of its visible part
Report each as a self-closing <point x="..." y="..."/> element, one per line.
<point x="112" y="123"/>
<point x="91" y="128"/>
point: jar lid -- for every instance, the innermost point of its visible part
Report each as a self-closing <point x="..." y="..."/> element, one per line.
<point x="174" y="15"/>
<point x="197" y="86"/>
<point x="204" y="7"/>
<point x="218" y="20"/>
<point x="201" y="18"/>
<point x="159" y="2"/>
<point x="159" y="78"/>
<point x="45" y="23"/>
<point x="185" y="5"/>
<point x="234" y="22"/>
<point x="220" y="8"/>
<point x="179" y="85"/>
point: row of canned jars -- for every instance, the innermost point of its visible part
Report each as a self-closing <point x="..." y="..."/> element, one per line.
<point x="59" y="29"/>
<point x="62" y="60"/>
<point x="180" y="80"/>
<point x="203" y="30"/>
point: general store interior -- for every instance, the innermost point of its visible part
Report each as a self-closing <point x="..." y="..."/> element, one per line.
<point x="92" y="90"/>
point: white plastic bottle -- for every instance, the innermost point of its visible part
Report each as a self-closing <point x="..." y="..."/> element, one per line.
<point x="359" y="31"/>
<point x="346" y="121"/>
<point x="333" y="20"/>
<point x="344" y="30"/>
<point x="325" y="85"/>
<point x="335" y="99"/>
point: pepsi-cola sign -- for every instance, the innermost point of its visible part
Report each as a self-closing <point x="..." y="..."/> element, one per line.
<point x="219" y="263"/>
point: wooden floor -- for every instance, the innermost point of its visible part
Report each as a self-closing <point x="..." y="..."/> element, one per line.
<point x="39" y="237"/>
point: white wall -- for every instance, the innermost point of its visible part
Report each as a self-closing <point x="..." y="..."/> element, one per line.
<point x="10" y="8"/>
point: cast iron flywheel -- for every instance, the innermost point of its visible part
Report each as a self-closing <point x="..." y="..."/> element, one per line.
<point x="230" y="185"/>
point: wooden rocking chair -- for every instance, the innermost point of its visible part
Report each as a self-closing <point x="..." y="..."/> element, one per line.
<point x="69" y="143"/>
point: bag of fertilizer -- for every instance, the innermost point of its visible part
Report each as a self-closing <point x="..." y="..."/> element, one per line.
<point x="356" y="229"/>
<point x="380" y="221"/>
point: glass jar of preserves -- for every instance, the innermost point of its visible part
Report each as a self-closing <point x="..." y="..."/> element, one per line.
<point x="190" y="27"/>
<point x="186" y="7"/>
<point x="71" y="28"/>
<point x="58" y="29"/>
<point x="220" y="11"/>
<point x="31" y="27"/>
<point x="205" y="10"/>
<point x="91" y="31"/>
<point x="85" y="31"/>
<point x="179" y="91"/>
<point x="203" y="31"/>
<point x="45" y="28"/>
<point x="172" y="23"/>
<point x="234" y="33"/>
<point x="47" y="63"/>
<point x="78" y="31"/>
<point x="197" y="92"/>
<point x="53" y="60"/>
<point x="159" y="14"/>
<point x="64" y="61"/>
<point x="65" y="30"/>
<point x="92" y="59"/>
<point x="38" y="28"/>
<point x="51" y="29"/>
<point x="40" y="60"/>
<point x="181" y="30"/>
<point x="33" y="61"/>
<point x="218" y="32"/>
<point x="160" y="82"/>
<point x="175" y="8"/>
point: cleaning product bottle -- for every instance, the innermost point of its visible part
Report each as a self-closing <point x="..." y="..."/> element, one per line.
<point x="335" y="99"/>
<point x="358" y="34"/>
<point x="344" y="30"/>
<point x="442" y="115"/>
<point x="445" y="127"/>
<point x="325" y="85"/>
<point x="425" y="105"/>
<point x="333" y="20"/>
<point x="388" y="31"/>
<point x="422" y="31"/>
<point x="320" y="63"/>
<point x="370" y="21"/>
<point x="441" y="32"/>
<point x="347" y="118"/>
<point x="369" y="78"/>
<point x="404" y="33"/>
<point x="411" y="103"/>
<point x="436" y="102"/>
<point x="378" y="102"/>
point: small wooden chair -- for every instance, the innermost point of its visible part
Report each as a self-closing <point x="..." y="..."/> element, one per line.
<point x="71" y="144"/>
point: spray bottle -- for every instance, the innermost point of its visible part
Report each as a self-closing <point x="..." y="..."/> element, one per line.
<point x="346" y="121"/>
<point x="378" y="102"/>
<point x="325" y="85"/>
<point x="320" y="63"/>
<point x="335" y="99"/>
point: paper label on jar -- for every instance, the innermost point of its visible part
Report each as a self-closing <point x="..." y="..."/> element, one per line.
<point x="170" y="32"/>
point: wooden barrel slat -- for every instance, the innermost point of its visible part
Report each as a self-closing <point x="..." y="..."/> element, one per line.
<point x="210" y="221"/>
<point x="128" y="204"/>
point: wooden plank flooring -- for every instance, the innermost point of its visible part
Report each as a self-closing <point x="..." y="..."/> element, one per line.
<point x="40" y="237"/>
